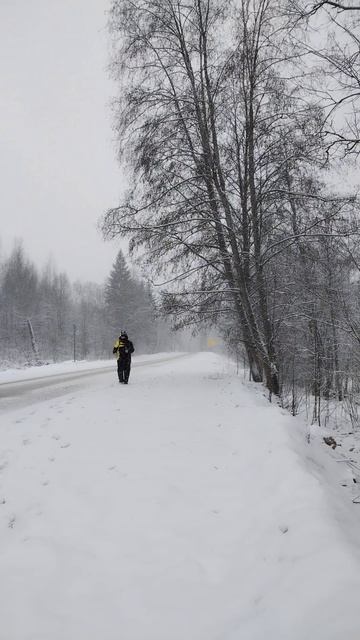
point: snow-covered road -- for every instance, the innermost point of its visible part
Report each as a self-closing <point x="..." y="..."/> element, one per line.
<point x="181" y="507"/>
<point x="24" y="387"/>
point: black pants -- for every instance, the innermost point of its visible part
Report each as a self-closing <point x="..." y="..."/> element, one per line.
<point x="123" y="367"/>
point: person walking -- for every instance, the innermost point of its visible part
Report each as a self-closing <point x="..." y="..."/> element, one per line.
<point x="123" y="348"/>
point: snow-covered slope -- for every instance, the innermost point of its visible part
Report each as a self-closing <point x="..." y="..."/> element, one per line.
<point x="181" y="507"/>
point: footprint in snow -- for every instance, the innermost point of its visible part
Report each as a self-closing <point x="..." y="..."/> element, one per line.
<point x="56" y="436"/>
<point x="66" y="445"/>
<point x="3" y="464"/>
<point x="12" y="520"/>
<point x="51" y="459"/>
<point x="283" y="528"/>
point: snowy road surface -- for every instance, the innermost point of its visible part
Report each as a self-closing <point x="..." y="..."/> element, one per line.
<point x="181" y="507"/>
<point x="37" y="383"/>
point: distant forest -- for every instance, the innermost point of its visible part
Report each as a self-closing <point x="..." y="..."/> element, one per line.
<point x="45" y="317"/>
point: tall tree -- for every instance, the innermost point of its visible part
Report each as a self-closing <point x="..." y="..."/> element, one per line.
<point x="120" y="295"/>
<point x="130" y="305"/>
<point x="204" y="128"/>
<point x="19" y="300"/>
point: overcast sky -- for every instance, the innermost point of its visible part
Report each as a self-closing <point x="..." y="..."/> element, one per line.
<point x="57" y="154"/>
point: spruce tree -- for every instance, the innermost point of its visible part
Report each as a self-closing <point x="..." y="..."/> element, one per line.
<point x="130" y="306"/>
<point x="120" y="296"/>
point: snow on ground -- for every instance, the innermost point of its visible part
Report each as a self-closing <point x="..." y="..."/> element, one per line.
<point x="181" y="507"/>
<point x="69" y="366"/>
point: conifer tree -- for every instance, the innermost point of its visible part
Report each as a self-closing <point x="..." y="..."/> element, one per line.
<point x="130" y="305"/>
<point x="120" y="296"/>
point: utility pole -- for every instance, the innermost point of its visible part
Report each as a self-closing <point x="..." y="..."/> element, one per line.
<point x="74" y="341"/>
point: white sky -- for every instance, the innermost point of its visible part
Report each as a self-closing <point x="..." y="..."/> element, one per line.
<point x="58" y="169"/>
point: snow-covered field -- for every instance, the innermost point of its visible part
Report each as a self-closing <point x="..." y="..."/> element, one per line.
<point x="181" y="507"/>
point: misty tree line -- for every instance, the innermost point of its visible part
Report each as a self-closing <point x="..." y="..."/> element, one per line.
<point x="44" y="317"/>
<point x="230" y="118"/>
